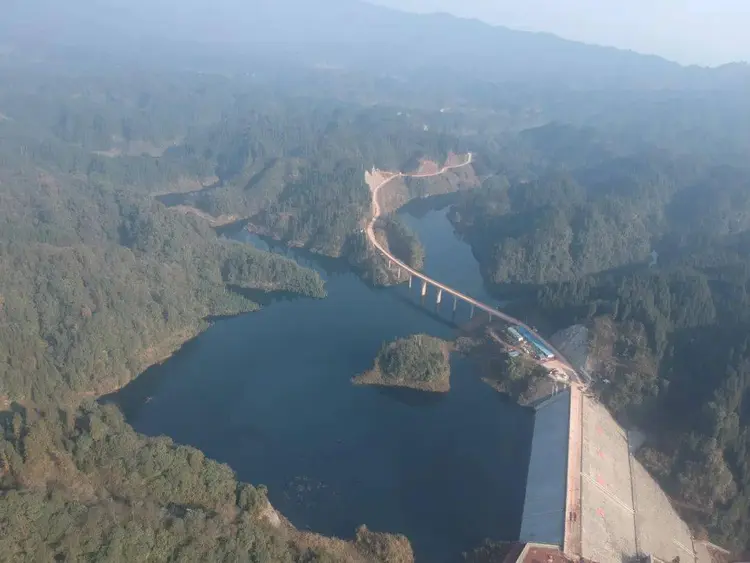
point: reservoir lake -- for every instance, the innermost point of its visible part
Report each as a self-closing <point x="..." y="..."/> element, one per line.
<point x="269" y="393"/>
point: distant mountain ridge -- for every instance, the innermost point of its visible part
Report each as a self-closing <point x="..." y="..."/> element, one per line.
<point x="352" y="33"/>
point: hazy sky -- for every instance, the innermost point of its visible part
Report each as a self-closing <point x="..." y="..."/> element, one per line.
<point x="689" y="31"/>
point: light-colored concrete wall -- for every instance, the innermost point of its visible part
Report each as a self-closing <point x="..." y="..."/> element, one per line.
<point x="544" y="507"/>
<point x="572" y="542"/>
<point x="607" y="515"/>
<point x="624" y="511"/>
<point x="661" y="532"/>
<point x="607" y="508"/>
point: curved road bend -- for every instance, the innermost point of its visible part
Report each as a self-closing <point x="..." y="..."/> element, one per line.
<point x="478" y="304"/>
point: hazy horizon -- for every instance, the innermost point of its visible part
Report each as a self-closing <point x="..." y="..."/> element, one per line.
<point x="688" y="33"/>
<point x="703" y="32"/>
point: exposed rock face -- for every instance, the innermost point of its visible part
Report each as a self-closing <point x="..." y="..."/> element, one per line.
<point x="429" y="179"/>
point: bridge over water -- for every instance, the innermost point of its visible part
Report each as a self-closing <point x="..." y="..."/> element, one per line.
<point x="587" y="497"/>
<point x="378" y="179"/>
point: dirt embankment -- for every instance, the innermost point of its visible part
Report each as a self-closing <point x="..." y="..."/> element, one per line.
<point x="574" y="343"/>
<point x="366" y="547"/>
<point x="390" y="191"/>
<point x="219" y="221"/>
<point x="399" y="191"/>
<point x="188" y="185"/>
<point x="606" y="352"/>
<point x="122" y="147"/>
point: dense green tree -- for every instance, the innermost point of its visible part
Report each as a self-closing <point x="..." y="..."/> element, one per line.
<point x="402" y="242"/>
<point x="98" y="280"/>
<point x="83" y="486"/>
<point x="419" y="358"/>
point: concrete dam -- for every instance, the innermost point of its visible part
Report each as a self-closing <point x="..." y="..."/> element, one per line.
<point x="588" y="497"/>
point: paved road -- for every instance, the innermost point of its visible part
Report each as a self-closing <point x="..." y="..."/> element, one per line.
<point x="446" y="289"/>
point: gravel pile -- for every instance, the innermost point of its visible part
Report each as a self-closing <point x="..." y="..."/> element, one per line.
<point x="573" y="343"/>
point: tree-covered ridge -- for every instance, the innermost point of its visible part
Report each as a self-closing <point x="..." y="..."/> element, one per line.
<point x="91" y="318"/>
<point x="97" y="280"/>
<point x="297" y="172"/>
<point x="560" y="224"/>
<point x="649" y="249"/>
<point x="418" y="357"/>
<point x="97" y="283"/>
<point x="83" y="486"/>
<point x="418" y="361"/>
<point x="402" y="241"/>
<point x="677" y="357"/>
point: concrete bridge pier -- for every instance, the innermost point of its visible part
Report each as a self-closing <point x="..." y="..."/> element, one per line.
<point x="409" y="281"/>
<point x="471" y="315"/>
<point x="398" y="274"/>
<point x="455" y="303"/>
<point x="424" y="288"/>
<point x="439" y="297"/>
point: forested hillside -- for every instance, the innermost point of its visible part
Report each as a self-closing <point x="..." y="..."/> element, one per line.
<point x="560" y="222"/>
<point x="650" y="251"/>
<point x="297" y="172"/>
<point x="678" y="335"/>
<point x="611" y="190"/>
<point x="85" y="487"/>
<point x="99" y="280"/>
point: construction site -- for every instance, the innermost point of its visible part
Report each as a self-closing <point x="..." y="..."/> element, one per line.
<point x="588" y="498"/>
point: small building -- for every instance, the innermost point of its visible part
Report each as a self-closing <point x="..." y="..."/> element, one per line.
<point x="514" y="353"/>
<point x="542" y="352"/>
<point x="543" y="356"/>
<point x="515" y="334"/>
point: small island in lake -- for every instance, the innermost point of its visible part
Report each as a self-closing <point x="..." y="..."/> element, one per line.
<point x="418" y="361"/>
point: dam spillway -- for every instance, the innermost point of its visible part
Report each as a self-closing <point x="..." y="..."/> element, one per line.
<point x="587" y="495"/>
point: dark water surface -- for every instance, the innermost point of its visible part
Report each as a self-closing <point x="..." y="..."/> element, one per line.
<point x="269" y="393"/>
<point x="448" y="259"/>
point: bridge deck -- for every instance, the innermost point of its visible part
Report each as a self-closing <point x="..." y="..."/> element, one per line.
<point x="376" y="181"/>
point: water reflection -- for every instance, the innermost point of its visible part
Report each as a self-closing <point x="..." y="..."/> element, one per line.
<point x="263" y="298"/>
<point x="410" y="397"/>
